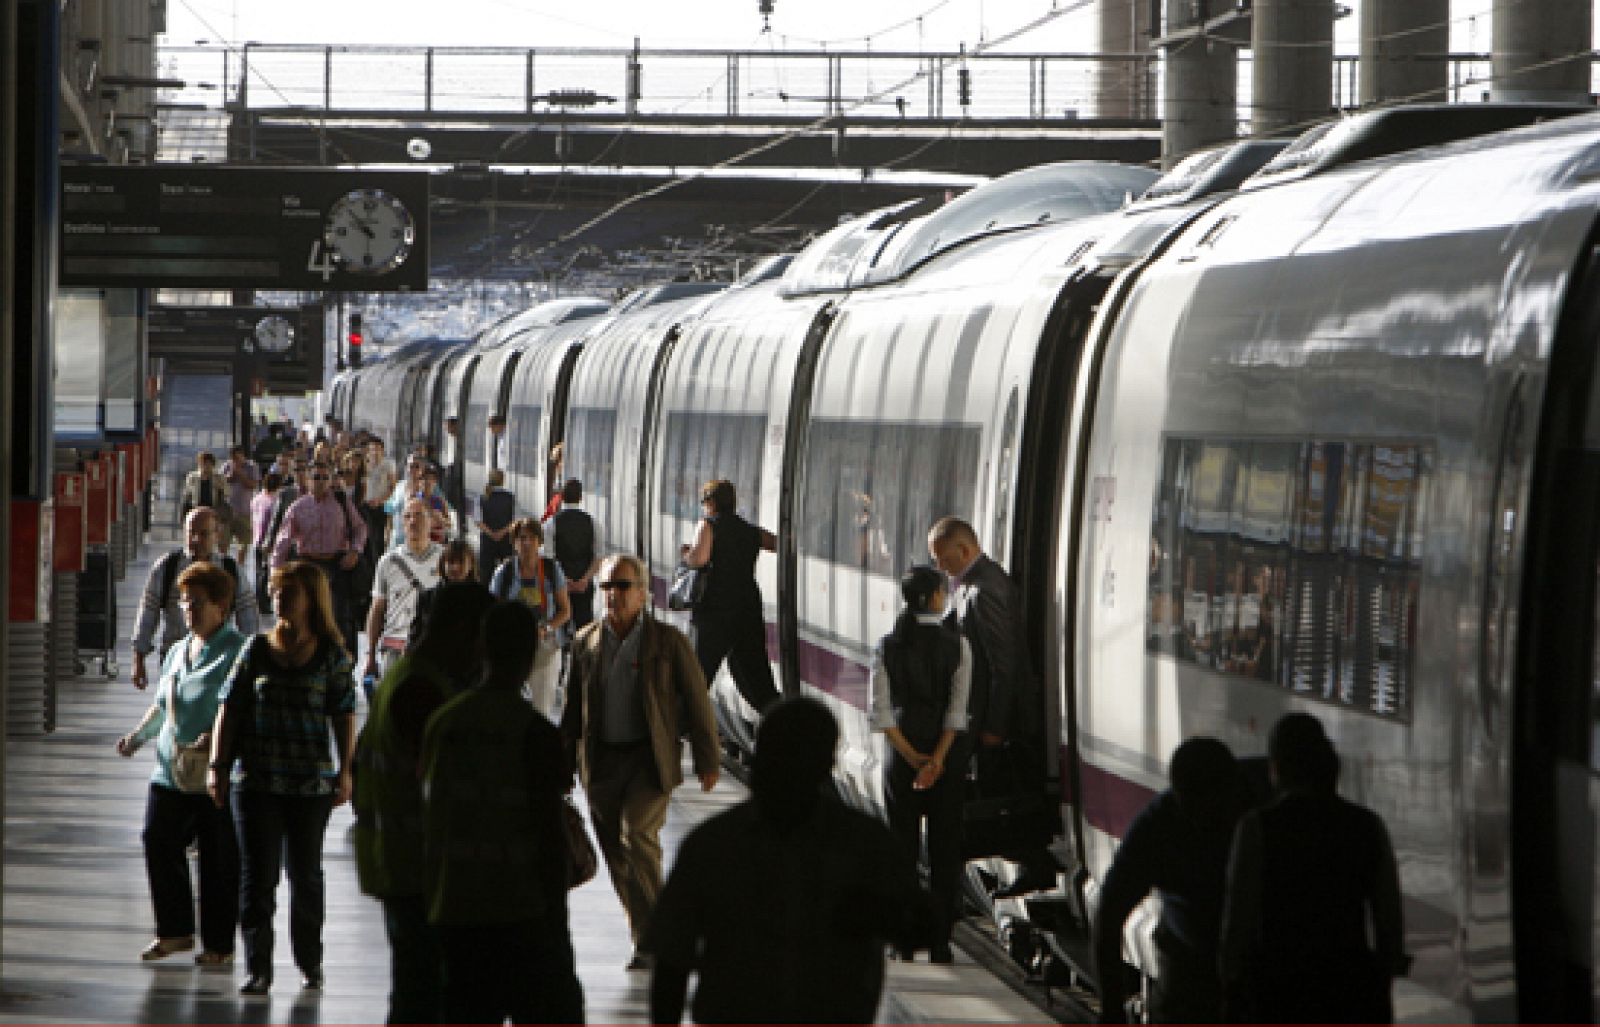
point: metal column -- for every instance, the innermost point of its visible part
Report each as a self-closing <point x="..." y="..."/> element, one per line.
<point x="1200" y="96"/>
<point x="1120" y="86"/>
<point x="1291" y="44"/>
<point x="1405" y="46"/>
<point x="1542" y="50"/>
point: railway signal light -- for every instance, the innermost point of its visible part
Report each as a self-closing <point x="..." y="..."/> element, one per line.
<point x="964" y="86"/>
<point x="355" y="339"/>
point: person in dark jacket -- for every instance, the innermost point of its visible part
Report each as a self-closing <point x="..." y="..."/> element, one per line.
<point x="1177" y="846"/>
<point x="921" y="674"/>
<point x="728" y="620"/>
<point x="497" y="508"/>
<point x="573" y="539"/>
<point x="1307" y="875"/>
<point x="388" y="791"/>
<point x="495" y="773"/>
<point x="783" y="905"/>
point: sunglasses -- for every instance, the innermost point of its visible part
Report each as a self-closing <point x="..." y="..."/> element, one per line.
<point x="622" y="584"/>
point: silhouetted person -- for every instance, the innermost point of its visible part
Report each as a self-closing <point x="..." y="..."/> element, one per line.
<point x="1178" y="846"/>
<point x="388" y="797"/>
<point x="494" y="775"/>
<point x="783" y="904"/>
<point x="1308" y="874"/>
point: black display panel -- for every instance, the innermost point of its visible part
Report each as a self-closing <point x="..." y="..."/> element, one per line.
<point x="209" y="227"/>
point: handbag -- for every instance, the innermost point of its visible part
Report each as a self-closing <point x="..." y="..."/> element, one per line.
<point x="583" y="862"/>
<point x="688" y="586"/>
<point x="189" y="762"/>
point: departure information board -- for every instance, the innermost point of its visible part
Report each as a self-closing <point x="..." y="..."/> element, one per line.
<point x="219" y="227"/>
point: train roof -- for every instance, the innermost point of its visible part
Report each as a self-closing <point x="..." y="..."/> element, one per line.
<point x="1391" y="130"/>
<point x="891" y="243"/>
<point x="1211" y="171"/>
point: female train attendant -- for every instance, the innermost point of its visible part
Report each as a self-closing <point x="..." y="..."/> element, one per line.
<point x="727" y="618"/>
<point x="289" y="687"/>
<point x="176" y="814"/>
<point x="921" y="676"/>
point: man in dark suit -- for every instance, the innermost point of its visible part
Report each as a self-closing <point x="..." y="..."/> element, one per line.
<point x="985" y="608"/>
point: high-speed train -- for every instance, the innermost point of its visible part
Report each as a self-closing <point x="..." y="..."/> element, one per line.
<point x="1327" y="441"/>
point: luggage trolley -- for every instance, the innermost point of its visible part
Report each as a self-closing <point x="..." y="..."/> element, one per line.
<point x="97" y="615"/>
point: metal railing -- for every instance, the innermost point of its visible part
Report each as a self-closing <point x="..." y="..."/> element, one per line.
<point x="719" y="84"/>
<point x="723" y="85"/>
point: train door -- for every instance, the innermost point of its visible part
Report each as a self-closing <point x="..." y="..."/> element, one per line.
<point x="1556" y="717"/>
<point x="1033" y="537"/>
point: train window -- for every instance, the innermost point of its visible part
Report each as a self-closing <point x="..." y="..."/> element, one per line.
<point x="473" y="431"/>
<point x="522" y="427"/>
<point x="1292" y="563"/>
<point x="591" y="448"/>
<point x="873" y="488"/>
<point x="701" y="447"/>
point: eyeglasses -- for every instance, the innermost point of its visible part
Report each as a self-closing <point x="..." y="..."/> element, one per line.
<point x="620" y="584"/>
<point x="320" y="476"/>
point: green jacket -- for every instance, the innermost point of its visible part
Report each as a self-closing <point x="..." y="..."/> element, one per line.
<point x="493" y="779"/>
<point x="676" y="700"/>
<point x="388" y="795"/>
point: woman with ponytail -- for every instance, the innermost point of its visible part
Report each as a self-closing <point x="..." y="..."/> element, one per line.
<point x="921" y="676"/>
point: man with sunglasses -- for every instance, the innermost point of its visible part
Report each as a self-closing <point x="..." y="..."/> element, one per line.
<point x="326" y="529"/>
<point x="634" y="681"/>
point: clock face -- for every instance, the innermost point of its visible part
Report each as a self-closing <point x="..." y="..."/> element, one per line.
<point x="274" y="334"/>
<point x="369" y="232"/>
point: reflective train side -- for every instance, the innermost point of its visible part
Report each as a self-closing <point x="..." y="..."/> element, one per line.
<point x="1366" y="351"/>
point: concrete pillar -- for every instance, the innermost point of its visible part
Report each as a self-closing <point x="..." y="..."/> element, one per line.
<point x="1541" y="50"/>
<point x="1122" y="88"/>
<point x="1404" y="48"/>
<point x="1200" y="94"/>
<point x="1291" y="43"/>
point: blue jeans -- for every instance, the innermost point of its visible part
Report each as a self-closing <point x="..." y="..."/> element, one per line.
<point x="278" y="832"/>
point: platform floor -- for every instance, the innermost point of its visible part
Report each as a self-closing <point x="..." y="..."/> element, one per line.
<point x="77" y="911"/>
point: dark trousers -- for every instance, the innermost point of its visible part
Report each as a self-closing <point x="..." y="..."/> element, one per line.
<point x="582" y="605"/>
<point x="740" y="637"/>
<point x="523" y="971"/>
<point x="344" y="613"/>
<point x="416" y="972"/>
<point x="173" y="819"/>
<point x="940" y="807"/>
<point x="277" y="833"/>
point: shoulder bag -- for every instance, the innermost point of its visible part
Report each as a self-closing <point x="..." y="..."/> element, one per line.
<point x="688" y="586"/>
<point x="582" y="860"/>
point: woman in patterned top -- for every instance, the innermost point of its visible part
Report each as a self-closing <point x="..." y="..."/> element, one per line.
<point x="290" y="686"/>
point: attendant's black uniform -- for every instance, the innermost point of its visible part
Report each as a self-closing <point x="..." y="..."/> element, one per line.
<point x="728" y="623"/>
<point x="921" y="677"/>
<point x="574" y="536"/>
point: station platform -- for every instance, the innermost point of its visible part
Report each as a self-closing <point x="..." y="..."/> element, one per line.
<point x="77" y="909"/>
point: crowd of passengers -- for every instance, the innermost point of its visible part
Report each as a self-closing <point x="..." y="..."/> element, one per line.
<point x="491" y="681"/>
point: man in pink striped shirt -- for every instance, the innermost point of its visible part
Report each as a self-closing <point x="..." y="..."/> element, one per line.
<point x="326" y="529"/>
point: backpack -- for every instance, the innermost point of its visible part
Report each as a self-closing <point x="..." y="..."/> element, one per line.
<point x="169" y="575"/>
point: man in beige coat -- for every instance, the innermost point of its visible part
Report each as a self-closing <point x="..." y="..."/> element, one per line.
<point x="632" y="679"/>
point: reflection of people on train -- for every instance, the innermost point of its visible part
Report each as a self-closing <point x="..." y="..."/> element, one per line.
<point x="1306" y="876"/>
<point x="872" y="546"/>
<point x="1165" y="632"/>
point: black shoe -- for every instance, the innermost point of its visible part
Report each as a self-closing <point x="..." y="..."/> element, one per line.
<point x="940" y="953"/>
<point x="312" y="980"/>
<point x="640" y="961"/>
<point x="258" y="984"/>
